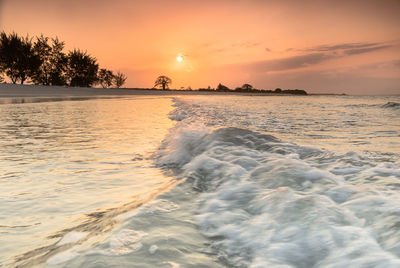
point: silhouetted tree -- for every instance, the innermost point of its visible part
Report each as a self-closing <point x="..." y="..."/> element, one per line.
<point x="247" y="87"/>
<point x="119" y="79"/>
<point x="221" y="87"/>
<point x="17" y="57"/>
<point x="278" y="90"/>
<point x="81" y="69"/>
<point x="295" y="91"/>
<point x="105" y="78"/>
<point x="53" y="62"/>
<point x="1" y="75"/>
<point x="163" y="81"/>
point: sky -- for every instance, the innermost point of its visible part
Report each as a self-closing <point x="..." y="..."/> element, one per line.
<point x="336" y="46"/>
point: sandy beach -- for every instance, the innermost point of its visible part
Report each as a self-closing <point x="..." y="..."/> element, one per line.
<point x="14" y="93"/>
<point x="30" y="91"/>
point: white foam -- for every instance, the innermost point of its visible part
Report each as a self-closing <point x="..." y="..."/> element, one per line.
<point x="268" y="203"/>
<point x="123" y="242"/>
<point x="63" y="256"/>
<point x="72" y="237"/>
<point x="153" y="249"/>
<point x="173" y="264"/>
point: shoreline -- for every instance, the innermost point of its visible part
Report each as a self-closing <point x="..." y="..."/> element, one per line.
<point x="37" y="91"/>
<point x="15" y="93"/>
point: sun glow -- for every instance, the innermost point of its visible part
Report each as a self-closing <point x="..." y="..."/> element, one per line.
<point x="179" y="58"/>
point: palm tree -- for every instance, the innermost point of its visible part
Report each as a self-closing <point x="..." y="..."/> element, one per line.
<point x="163" y="81"/>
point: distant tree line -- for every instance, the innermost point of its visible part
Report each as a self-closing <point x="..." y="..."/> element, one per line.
<point x="247" y="88"/>
<point x="163" y="83"/>
<point x="42" y="61"/>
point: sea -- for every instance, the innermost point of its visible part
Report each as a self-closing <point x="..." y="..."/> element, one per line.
<point x="200" y="181"/>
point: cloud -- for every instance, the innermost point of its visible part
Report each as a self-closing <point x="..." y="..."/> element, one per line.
<point x="246" y="44"/>
<point x="314" y="56"/>
<point x="289" y="63"/>
<point x="218" y="50"/>
<point x="343" y="46"/>
<point x="389" y="66"/>
<point x="230" y="47"/>
<point x="267" y="49"/>
<point x="365" y="50"/>
<point x="346" y="48"/>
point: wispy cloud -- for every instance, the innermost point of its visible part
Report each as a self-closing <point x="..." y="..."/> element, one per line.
<point x="346" y="48"/>
<point x="315" y="55"/>
<point x="355" y="51"/>
<point x="211" y="47"/>
<point x="343" y="46"/>
<point x="246" y="44"/>
<point x="294" y="62"/>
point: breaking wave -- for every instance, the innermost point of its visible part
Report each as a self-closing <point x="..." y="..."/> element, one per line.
<point x="266" y="202"/>
<point x="391" y="104"/>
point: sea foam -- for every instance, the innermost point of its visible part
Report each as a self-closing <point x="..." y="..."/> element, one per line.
<point x="269" y="203"/>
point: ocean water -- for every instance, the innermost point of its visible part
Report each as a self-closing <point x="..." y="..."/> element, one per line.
<point x="201" y="181"/>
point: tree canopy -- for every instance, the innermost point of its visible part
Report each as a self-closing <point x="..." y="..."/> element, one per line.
<point x="105" y="78"/>
<point x="163" y="82"/>
<point x="17" y="58"/>
<point x="42" y="61"/>
<point x="53" y="62"/>
<point x="247" y="87"/>
<point x="81" y="69"/>
<point x="221" y="87"/>
<point x="119" y="79"/>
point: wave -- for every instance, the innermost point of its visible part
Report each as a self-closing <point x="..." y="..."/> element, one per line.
<point x="265" y="202"/>
<point x="391" y="104"/>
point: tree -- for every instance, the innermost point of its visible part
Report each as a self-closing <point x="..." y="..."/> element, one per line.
<point x="119" y="79"/>
<point x="81" y="69"/>
<point x="247" y="87"/>
<point x="53" y="62"/>
<point x="163" y="81"/>
<point x="17" y="57"/>
<point x="105" y="78"/>
<point x="221" y="87"/>
<point x="1" y="75"/>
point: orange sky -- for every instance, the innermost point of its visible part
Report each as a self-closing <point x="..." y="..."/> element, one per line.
<point x="320" y="46"/>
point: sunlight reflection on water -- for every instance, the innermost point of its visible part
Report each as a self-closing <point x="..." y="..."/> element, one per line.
<point x="62" y="160"/>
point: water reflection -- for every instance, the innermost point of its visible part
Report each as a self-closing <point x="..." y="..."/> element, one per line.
<point x="63" y="160"/>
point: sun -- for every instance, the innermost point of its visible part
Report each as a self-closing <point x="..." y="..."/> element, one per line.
<point x="179" y="58"/>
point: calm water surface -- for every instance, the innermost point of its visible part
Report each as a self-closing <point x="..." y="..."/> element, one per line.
<point x="62" y="161"/>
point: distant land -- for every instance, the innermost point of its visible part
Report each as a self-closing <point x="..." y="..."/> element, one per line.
<point x="22" y="91"/>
